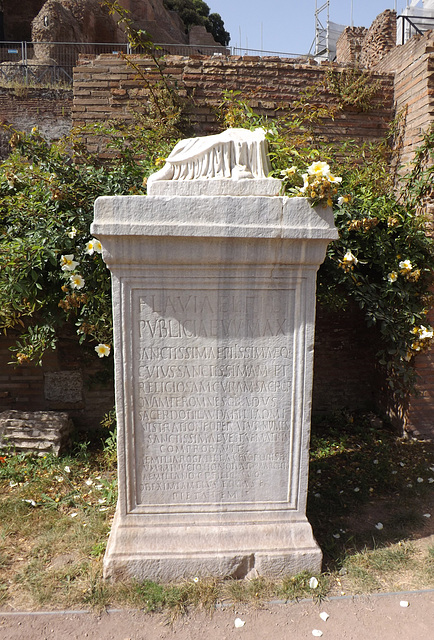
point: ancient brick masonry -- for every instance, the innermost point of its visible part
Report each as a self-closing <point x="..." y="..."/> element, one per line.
<point x="105" y="87"/>
<point x="366" y="47"/>
<point x="48" y="109"/>
<point x="413" y="64"/>
<point x="349" y="45"/>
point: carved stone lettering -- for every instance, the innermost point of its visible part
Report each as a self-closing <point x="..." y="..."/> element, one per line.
<point x="213" y="397"/>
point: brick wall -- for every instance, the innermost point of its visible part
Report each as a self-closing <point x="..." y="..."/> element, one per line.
<point x="345" y="368"/>
<point x="103" y="89"/>
<point x="366" y="47"/>
<point x="23" y="108"/>
<point x="413" y="66"/>
<point x="105" y="86"/>
<point x="349" y="45"/>
<point x="65" y="382"/>
<point x="379" y="40"/>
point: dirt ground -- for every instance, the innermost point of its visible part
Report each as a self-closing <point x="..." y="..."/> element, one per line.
<point x="379" y="617"/>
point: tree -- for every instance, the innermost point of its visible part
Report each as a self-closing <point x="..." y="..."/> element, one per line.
<point x="194" y="12"/>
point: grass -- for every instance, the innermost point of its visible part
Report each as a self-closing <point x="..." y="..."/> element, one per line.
<point x="370" y="496"/>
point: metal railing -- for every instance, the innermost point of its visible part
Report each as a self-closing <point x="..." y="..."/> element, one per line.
<point x="412" y="25"/>
<point x="47" y="62"/>
<point x="53" y="62"/>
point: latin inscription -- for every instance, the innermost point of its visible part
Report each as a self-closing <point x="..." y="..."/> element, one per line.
<point x="214" y="381"/>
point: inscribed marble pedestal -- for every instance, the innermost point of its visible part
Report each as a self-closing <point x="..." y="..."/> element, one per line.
<point x="214" y="305"/>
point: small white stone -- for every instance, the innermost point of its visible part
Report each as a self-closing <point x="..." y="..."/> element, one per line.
<point x="404" y="603"/>
<point x="239" y="623"/>
<point x="324" y="616"/>
<point x="379" y="526"/>
<point x="427" y="515"/>
<point x="313" y="583"/>
<point x="317" y="633"/>
<point x="420" y="480"/>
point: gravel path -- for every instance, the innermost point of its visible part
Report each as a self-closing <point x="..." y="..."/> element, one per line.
<point x="377" y="617"/>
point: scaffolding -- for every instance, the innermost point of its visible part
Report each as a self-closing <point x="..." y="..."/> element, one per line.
<point x="326" y="32"/>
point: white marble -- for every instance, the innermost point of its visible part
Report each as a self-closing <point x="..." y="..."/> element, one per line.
<point x="234" y="162"/>
<point x="214" y="307"/>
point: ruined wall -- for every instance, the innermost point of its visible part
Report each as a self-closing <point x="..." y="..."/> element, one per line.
<point x="366" y="47"/>
<point x="349" y="45"/>
<point x="105" y="87"/>
<point x="22" y="109"/>
<point x="413" y="66"/>
<point x="65" y="382"/>
<point x="379" y="40"/>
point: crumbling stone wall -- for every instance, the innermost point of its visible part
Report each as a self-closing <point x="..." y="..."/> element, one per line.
<point x="349" y="45"/>
<point x="105" y="87"/>
<point x="48" y="109"/>
<point x="366" y="47"/>
<point x="73" y="21"/>
<point x="65" y="382"/>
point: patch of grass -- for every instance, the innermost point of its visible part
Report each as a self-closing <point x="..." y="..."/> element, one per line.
<point x="55" y="515"/>
<point x="297" y="587"/>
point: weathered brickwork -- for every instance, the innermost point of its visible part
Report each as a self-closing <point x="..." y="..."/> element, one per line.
<point x="23" y="108"/>
<point x="105" y="87"/>
<point x="366" y="47"/>
<point x="413" y="66"/>
<point x="65" y="382"/>
<point x="379" y="40"/>
<point x="349" y="45"/>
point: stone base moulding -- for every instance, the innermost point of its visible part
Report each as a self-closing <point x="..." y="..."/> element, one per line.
<point x="218" y="547"/>
<point x="214" y="311"/>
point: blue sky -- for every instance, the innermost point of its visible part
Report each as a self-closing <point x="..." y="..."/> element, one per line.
<point x="288" y="26"/>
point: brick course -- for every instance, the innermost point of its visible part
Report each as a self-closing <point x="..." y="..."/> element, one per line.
<point x="23" y="108"/>
<point x="270" y="84"/>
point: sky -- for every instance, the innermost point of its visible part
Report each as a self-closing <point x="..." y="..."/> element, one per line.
<point x="288" y="26"/>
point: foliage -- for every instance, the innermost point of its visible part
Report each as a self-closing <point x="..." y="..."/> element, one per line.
<point x="52" y="272"/>
<point x="353" y="87"/>
<point x="383" y="259"/>
<point x="165" y="110"/>
<point x="197" y="12"/>
<point x="55" y="513"/>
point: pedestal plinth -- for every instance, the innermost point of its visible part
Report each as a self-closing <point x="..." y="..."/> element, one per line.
<point x="214" y="306"/>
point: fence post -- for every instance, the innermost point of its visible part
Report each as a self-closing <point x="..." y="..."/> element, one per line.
<point x="25" y="61"/>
